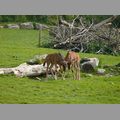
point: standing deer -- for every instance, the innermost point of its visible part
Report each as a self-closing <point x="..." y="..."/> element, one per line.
<point x="73" y="62"/>
<point x="54" y="60"/>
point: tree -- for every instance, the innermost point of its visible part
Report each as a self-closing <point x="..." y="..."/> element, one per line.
<point x="20" y="18"/>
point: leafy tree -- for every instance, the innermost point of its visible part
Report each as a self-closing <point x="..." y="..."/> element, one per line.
<point x="53" y="19"/>
<point x="20" y="18"/>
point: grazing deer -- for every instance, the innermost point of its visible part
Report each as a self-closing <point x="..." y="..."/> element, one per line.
<point x="73" y="62"/>
<point x="54" y="60"/>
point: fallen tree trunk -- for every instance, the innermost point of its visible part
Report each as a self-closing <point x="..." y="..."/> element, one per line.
<point x="25" y="70"/>
<point x="32" y="68"/>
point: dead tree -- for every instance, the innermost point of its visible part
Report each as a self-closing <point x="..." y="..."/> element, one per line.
<point x="84" y="36"/>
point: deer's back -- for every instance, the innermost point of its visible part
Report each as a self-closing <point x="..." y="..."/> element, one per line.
<point x="54" y="58"/>
<point x="72" y="57"/>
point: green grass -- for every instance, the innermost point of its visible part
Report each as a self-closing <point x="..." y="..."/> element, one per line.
<point x="17" y="46"/>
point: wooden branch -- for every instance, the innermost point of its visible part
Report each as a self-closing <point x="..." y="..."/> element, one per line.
<point x="80" y="34"/>
<point x="69" y="35"/>
<point x="65" y="23"/>
<point x="62" y="43"/>
<point x="72" y="25"/>
<point x="81" y="22"/>
<point x="105" y="21"/>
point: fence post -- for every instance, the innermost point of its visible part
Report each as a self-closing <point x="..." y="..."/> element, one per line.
<point x="40" y="36"/>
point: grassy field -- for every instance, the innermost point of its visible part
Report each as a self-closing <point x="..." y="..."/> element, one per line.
<point x="17" y="46"/>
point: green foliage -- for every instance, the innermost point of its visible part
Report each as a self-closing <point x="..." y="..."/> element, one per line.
<point x="20" y="18"/>
<point x="17" y="46"/>
<point x="32" y="18"/>
<point x="7" y="18"/>
<point x="68" y="17"/>
<point x="116" y="22"/>
<point x="51" y="19"/>
<point x="113" y="70"/>
<point x="1" y="18"/>
<point x="96" y="18"/>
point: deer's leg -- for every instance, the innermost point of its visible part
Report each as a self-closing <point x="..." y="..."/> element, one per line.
<point x="73" y="70"/>
<point x="77" y="67"/>
<point x="76" y="71"/>
<point x="76" y="75"/>
<point x="63" y="75"/>
<point x="69" y="66"/>
<point x="62" y="72"/>
<point x="55" y="76"/>
<point x="47" y="70"/>
<point x="52" y="71"/>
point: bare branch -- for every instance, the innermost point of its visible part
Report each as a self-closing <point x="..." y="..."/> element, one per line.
<point x="105" y="21"/>
<point x="73" y="22"/>
<point x="81" y="22"/>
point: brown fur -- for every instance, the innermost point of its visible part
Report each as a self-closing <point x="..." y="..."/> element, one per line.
<point x="54" y="60"/>
<point x="73" y="61"/>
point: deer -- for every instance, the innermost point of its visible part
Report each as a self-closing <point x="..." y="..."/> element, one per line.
<point x="55" y="60"/>
<point x="73" y="63"/>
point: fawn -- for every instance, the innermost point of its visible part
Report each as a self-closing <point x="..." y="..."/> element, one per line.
<point x="73" y="62"/>
<point x="54" y="60"/>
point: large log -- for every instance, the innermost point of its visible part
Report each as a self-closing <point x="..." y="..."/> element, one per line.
<point x="26" y="70"/>
<point x="33" y="67"/>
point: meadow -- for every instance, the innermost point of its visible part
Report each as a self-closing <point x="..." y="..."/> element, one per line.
<point x="18" y="46"/>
